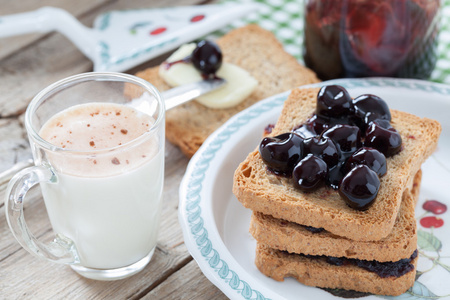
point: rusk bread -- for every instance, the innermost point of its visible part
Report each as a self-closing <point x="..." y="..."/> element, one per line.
<point x="255" y="50"/>
<point x="262" y="191"/>
<point x="294" y="238"/>
<point x="317" y="272"/>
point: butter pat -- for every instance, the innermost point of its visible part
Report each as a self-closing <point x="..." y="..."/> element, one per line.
<point x="240" y="84"/>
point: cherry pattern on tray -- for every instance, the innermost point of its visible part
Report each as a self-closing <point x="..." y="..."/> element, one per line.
<point x="429" y="247"/>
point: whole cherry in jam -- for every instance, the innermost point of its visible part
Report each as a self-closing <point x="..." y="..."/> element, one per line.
<point x="281" y="153"/>
<point x="335" y="175"/>
<point x="336" y="261"/>
<point x="333" y="101"/>
<point x="346" y="137"/>
<point x="387" y="141"/>
<point x="370" y="157"/>
<point x="207" y="57"/>
<point x="313" y="229"/>
<point x="369" y="108"/>
<point x="382" y="123"/>
<point x="306" y="130"/>
<point x="309" y="173"/>
<point x="323" y="148"/>
<point x="317" y="124"/>
<point x="359" y="187"/>
<point x="434" y="207"/>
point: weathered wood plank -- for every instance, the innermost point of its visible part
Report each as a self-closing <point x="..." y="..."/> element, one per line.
<point x="25" y="73"/>
<point x="30" y="278"/>
<point x="25" y="277"/>
<point x="192" y="285"/>
<point x="14" y="146"/>
<point x="22" y="276"/>
<point x="11" y="45"/>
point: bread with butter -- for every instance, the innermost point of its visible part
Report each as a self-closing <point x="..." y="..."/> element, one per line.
<point x="255" y="50"/>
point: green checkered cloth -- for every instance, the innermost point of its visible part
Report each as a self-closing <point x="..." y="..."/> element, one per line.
<point x="285" y="19"/>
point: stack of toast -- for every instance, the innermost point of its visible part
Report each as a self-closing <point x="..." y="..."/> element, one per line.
<point x="255" y="50"/>
<point x="319" y="240"/>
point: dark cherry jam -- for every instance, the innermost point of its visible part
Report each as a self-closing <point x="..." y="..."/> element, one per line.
<point x="346" y="150"/>
<point x="382" y="269"/>
<point x="282" y="153"/>
<point x="313" y="229"/>
<point x="361" y="38"/>
<point x="206" y="58"/>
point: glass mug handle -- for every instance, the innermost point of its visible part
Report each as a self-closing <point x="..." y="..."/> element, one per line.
<point x="61" y="249"/>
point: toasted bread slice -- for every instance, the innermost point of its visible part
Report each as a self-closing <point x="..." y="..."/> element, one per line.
<point x="264" y="192"/>
<point x="294" y="238"/>
<point x="255" y="50"/>
<point x="317" y="272"/>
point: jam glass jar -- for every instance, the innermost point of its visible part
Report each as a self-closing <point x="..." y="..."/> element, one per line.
<point x="364" y="38"/>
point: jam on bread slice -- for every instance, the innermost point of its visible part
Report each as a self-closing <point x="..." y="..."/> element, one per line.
<point x="384" y="267"/>
<point x="295" y="238"/>
<point x="262" y="190"/>
<point x="320" y="272"/>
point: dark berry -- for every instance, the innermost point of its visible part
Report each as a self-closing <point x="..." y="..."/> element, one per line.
<point x="387" y="141"/>
<point x="336" y="261"/>
<point x="333" y="101"/>
<point x="369" y="108"/>
<point x="382" y="123"/>
<point x="370" y="157"/>
<point x="313" y="229"/>
<point x="335" y="175"/>
<point x="268" y="129"/>
<point x="346" y="137"/>
<point x="305" y="130"/>
<point x="323" y="148"/>
<point x="435" y="207"/>
<point x="383" y="269"/>
<point x="207" y="57"/>
<point x="359" y="187"/>
<point x="309" y="173"/>
<point x="389" y="268"/>
<point x="281" y="153"/>
<point x="318" y="124"/>
<point x="432" y="221"/>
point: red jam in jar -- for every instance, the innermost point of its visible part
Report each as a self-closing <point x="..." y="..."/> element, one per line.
<point x="364" y="38"/>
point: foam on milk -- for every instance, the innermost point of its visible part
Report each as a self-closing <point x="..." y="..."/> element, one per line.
<point x="107" y="203"/>
<point x="97" y="126"/>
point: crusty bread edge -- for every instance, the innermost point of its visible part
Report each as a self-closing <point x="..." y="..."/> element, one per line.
<point x="287" y="236"/>
<point x="314" y="272"/>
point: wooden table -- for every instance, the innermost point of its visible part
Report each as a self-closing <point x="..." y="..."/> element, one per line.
<point x="28" y="64"/>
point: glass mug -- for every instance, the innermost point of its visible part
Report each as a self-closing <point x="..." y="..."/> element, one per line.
<point x="98" y="145"/>
<point x="362" y="38"/>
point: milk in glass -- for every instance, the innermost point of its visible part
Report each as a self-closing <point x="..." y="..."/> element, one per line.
<point x="108" y="202"/>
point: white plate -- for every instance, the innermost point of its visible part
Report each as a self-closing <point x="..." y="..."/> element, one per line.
<point x="215" y="225"/>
